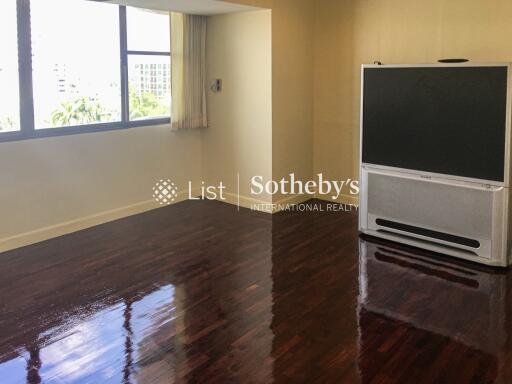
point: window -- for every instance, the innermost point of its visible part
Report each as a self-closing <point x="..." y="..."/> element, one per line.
<point x="9" y="86"/>
<point x="76" y="71"/>
<point x="149" y="88"/>
<point x="75" y="74"/>
<point x="143" y="26"/>
<point x="147" y="100"/>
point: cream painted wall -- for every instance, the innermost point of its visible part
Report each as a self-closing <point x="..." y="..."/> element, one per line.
<point x="335" y="125"/>
<point x="50" y="181"/>
<point x="292" y="87"/>
<point x="317" y="49"/>
<point x="239" y="137"/>
<point x="349" y="33"/>
<point x="57" y="185"/>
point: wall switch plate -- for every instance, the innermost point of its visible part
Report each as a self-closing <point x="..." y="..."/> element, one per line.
<point x="216" y="85"/>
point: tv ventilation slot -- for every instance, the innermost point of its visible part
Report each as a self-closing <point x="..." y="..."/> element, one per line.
<point x="429" y="233"/>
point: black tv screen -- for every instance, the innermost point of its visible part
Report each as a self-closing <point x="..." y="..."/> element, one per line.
<point x="446" y="120"/>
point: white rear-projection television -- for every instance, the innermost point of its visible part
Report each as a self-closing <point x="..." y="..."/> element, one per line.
<point x="435" y="157"/>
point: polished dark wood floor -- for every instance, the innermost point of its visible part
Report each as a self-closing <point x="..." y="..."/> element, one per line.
<point x="200" y="293"/>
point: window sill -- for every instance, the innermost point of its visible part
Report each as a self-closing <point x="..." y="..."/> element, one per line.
<point x="79" y="129"/>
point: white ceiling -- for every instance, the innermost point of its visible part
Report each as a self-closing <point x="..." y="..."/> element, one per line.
<point x="195" y="7"/>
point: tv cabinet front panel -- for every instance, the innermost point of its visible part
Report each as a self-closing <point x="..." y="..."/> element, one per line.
<point x="465" y="220"/>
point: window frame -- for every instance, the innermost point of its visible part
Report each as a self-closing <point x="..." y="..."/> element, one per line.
<point x="27" y="127"/>
<point x="125" y="54"/>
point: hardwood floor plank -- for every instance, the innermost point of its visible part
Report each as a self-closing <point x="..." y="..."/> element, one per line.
<point x="201" y="293"/>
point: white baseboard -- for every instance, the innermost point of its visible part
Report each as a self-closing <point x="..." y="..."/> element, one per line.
<point x="342" y="199"/>
<point x="262" y="205"/>
<point x="56" y="230"/>
<point x="245" y="202"/>
<point x="285" y="202"/>
<point x="280" y="205"/>
<point x="49" y="232"/>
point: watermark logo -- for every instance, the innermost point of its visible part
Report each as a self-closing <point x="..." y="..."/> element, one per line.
<point x="292" y="186"/>
<point x="165" y="192"/>
<point x="259" y="190"/>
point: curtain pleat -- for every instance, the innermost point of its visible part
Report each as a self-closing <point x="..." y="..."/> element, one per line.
<point x="188" y="71"/>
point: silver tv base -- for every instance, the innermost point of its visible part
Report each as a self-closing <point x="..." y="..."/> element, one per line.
<point x="464" y="219"/>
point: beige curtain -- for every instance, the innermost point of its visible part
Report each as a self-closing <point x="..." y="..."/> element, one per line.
<point x="188" y="71"/>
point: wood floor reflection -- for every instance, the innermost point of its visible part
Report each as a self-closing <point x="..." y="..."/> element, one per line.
<point x="201" y="293"/>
